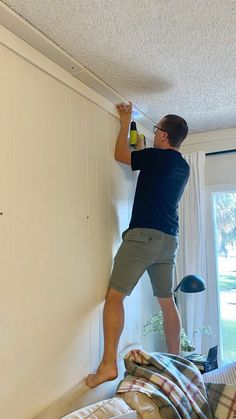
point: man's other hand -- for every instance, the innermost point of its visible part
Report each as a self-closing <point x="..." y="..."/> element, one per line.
<point x="125" y="112"/>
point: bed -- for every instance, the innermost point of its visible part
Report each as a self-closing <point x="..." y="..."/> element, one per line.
<point x="158" y="385"/>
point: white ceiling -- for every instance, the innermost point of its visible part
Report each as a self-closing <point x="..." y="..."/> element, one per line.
<point x="166" y="56"/>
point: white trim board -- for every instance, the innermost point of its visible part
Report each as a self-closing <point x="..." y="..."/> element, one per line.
<point x="211" y="141"/>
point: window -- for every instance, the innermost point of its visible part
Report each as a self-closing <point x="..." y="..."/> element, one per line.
<point x="224" y="226"/>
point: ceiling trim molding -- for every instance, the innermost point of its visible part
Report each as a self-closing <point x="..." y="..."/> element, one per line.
<point x="211" y="141"/>
<point x="215" y="135"/>
<point x="66" y="69"/>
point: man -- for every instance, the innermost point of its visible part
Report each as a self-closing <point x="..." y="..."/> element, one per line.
<point x="151" y="241"/>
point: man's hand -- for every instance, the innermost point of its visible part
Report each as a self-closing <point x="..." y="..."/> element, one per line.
<point x="125" y="112"/>
<point x="140" y="145"/>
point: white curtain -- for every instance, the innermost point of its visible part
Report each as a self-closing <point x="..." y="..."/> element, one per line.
<point x="192" y="249"/>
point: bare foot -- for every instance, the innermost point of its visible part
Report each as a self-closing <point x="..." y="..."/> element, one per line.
<point x="105" y="372"/>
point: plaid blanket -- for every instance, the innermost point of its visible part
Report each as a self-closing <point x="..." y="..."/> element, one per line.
<point x="173" y="382"/>
<point x="222" y="399"/>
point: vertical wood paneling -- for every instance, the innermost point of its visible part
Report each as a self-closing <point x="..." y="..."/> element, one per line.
<point x="113" y="185"/>
<point x="27" y="123"/>
<point x="58" y="286"/>
<point x="119" y="176"/>
<point x="80" y="246"/>
<point x="104" y="247"/>
<point x="6" y="161"/>
<point x="7" y="347"/>
<point x="94" y="300"/>
<point x="65" y="202"/>
<point x="28" y="180"/>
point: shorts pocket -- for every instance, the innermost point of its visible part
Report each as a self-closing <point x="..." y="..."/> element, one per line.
<point x="136" y="236"/>
<point x="173" y="247"/>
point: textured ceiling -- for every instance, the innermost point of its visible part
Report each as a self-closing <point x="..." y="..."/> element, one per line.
<point x="167" y="56"/>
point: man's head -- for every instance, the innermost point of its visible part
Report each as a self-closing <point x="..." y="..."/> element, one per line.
<point x="170" y="132"/>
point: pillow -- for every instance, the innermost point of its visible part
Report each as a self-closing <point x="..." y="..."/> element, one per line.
<point x="105" y="409"/>
<point x="224" y="375"/>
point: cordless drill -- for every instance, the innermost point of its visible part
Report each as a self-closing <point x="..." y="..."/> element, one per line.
<point x="134" y="135"/>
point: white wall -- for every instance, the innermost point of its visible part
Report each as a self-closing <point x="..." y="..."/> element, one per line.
<point x="211" y="141"/>
<point x="220" y="168"/>
<point x="65" y="201"/>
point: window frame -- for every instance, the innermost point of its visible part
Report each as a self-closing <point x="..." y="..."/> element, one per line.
<point x="212" y="261"/>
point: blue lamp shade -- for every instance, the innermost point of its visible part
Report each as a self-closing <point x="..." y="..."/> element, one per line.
<point x="191" y="284"/>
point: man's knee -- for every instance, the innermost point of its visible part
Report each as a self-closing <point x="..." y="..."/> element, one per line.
<point x="115" y="295"/>
<point x="167" y="303"/>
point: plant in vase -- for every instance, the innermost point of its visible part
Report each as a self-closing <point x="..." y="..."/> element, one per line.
<point x="186" y="347"/>
<point x="155" y="325"/>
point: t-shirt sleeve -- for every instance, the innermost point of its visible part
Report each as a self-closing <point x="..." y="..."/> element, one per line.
<point x="142" y="158"/>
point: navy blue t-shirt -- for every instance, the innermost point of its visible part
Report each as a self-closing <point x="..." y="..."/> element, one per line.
<point x="161" y="181"/>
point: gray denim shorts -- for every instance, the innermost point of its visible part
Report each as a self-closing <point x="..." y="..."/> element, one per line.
<point x="145" y="249"/>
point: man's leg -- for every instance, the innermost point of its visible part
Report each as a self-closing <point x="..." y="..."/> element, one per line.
<point x="113" y="323"/>
<point x="171" y="324"/>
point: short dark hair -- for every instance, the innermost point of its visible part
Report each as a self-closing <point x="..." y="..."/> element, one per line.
<point x="177" y="129"/>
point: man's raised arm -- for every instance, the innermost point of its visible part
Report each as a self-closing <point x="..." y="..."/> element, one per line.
<point x="122" y="152"/>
